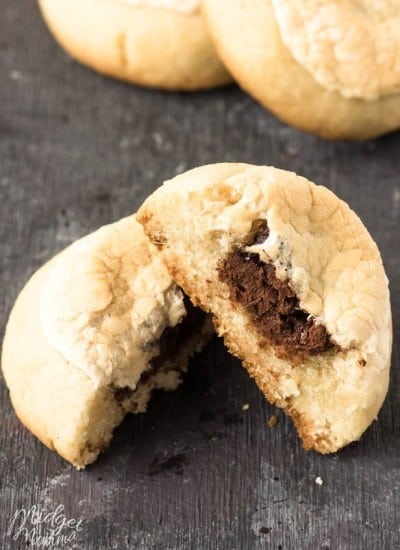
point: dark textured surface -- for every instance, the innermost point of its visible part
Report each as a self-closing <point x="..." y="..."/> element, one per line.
<point x="197" y="471"/>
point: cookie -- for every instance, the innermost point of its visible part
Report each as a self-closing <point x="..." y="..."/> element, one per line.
<point x="155" y="43"/>
<point x="92" y="334"/>
<point x="295" y="284"/>
<point x="330" y="68"/>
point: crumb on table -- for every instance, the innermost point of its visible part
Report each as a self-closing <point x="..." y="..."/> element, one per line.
<point x="272" y="421"/>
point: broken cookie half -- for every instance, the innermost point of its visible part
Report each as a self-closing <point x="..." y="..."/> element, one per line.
<point x="295" y="284"/>
<point x="91" y="335"/>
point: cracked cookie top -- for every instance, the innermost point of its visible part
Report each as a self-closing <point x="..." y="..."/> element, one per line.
<point x="349" y="46"/>
<point x="107" y="300"/>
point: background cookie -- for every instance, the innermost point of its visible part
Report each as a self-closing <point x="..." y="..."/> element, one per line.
<point x="91" y="335"/>
<point x="330" y="68"/>
<point x="296" y="286"/>
<point x="156" y="43"/>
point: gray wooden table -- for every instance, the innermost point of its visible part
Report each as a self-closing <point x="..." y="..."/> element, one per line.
<point x="196" y="471"/>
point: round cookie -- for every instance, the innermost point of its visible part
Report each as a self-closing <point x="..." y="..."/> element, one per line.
<point x="90" y="337"/>
<point x="155" y="43"/>
<point x="330" y="68"/>
<point x="295" y="284"/>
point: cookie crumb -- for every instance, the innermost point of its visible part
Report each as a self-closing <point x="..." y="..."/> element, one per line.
<point x="292" y="150"/>
<point x="319" y="480"/>
<point x="246" y="407"/>
<point x="272" y="421"/>
<point x="15" y="75"/>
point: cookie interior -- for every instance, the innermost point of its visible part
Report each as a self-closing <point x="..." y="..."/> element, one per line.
<point x="271" y="304"/>
<point x="164" y="371"/>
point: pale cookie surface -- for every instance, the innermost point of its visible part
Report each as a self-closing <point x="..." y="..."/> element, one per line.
<point x="112" y="287"/>
<point x="349" y="46"/>
<point x="155" y="43"/>
<point x="185" y="6"/>
<point x="83" y="345"/>
<point x="329" y="68"/>
<point x="321" y="250"/>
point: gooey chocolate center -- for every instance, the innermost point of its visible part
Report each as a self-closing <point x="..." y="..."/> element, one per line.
<point x="271" y="303"/>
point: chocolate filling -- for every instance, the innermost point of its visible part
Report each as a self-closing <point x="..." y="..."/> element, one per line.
<point x="273" y="306"/>
<point x="174" y="338"/>
<point x="170" y="344"/>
